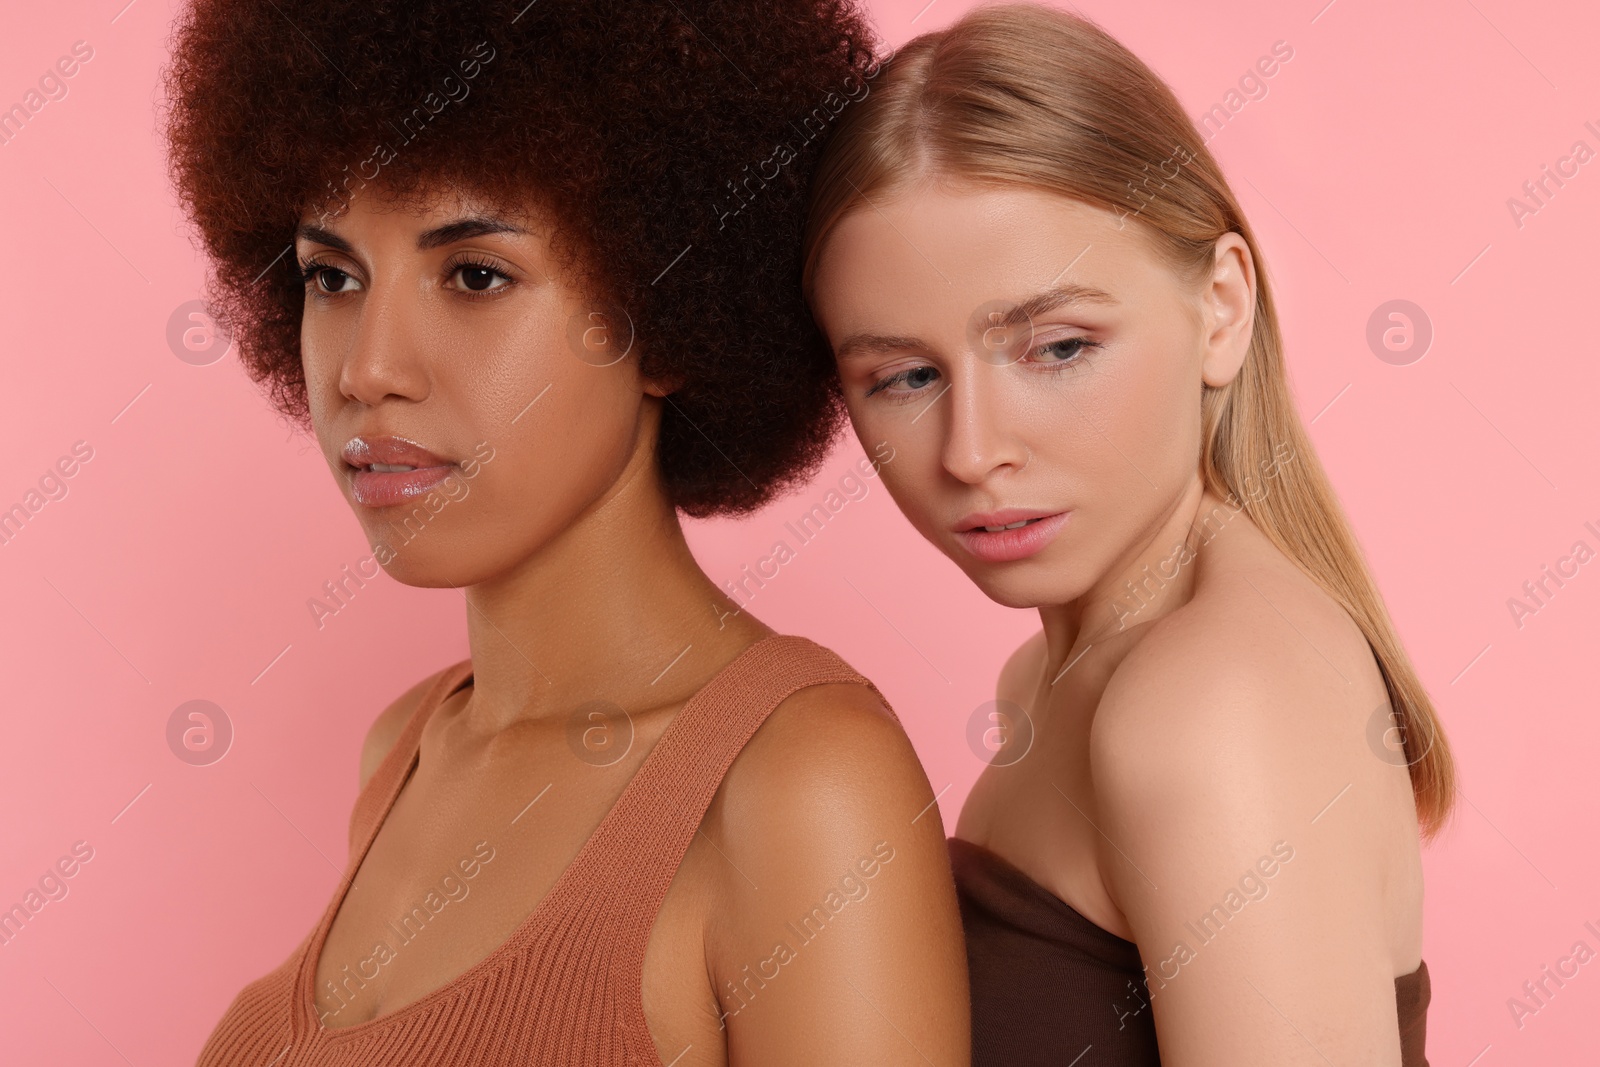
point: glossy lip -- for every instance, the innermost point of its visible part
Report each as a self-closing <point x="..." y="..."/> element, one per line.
<point x="381" y="489"/>
<point x="1006" y="546"/>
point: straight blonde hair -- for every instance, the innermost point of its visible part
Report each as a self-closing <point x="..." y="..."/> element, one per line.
<point x="1025" y="94"/>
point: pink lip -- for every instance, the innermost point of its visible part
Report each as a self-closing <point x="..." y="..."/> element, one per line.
<point x="381" y="489"/>
<point x="1008" y="545"/>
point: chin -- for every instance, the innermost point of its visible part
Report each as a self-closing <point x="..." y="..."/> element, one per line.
<point x="428" y="574"/>
<point x="429" y="561"/>
<point x="1021" y="585"/>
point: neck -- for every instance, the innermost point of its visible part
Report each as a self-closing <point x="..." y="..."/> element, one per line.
<point x="604" y="610"/>
<point x="1153" y="576"/>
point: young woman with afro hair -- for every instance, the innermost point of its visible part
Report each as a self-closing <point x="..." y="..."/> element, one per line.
<point x="529" y="272"/>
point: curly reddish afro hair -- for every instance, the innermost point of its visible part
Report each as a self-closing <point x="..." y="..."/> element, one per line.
<point x="671" y="142"/>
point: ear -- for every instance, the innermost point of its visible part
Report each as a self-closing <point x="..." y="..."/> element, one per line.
<point x="1228" y="309"/>
<point x="663" y="386"/>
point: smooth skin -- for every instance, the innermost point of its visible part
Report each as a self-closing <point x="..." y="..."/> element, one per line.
<point x="1180" y="738"/>
<point x="579" y="585"/>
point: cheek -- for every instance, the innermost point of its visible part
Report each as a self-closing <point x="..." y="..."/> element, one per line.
<point x="522" y="384"/>
<point x="320" y="370"/>
<point x="1148" y="407"/>
<point x="914" y="475"/>
<point x="562" y="429"/>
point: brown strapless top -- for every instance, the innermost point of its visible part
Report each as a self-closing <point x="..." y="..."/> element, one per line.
<point x="1048" y="985"/>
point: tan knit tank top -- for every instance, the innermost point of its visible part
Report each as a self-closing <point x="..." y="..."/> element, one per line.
<point x="564" y="988"/>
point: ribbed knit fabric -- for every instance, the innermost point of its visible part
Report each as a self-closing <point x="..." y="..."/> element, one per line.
<point x="564" y="988"/>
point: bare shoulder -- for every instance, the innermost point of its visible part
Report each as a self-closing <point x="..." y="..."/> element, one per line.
<point x="1234" y="724"/>
<point x="833" y="750"/>
<point x="829" y="845"/>
<point x="1260" y="661"/>
<point x="390" y="723"/>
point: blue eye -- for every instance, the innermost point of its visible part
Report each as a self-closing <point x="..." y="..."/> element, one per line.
<point x="916" y="377"/>
<point x="1075" y="355"/>
<point x="1069" y="352"/>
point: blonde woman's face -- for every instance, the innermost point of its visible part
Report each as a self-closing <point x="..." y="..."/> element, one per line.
<point x="1030" y="359"/>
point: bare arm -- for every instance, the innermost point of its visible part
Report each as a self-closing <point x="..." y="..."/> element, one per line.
<point x="838" y="937"/>
<point x="1265" y="935"/>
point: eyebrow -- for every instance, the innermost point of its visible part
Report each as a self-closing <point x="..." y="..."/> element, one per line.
<point x="866" y="344"/>
<point x="449" y="233"/>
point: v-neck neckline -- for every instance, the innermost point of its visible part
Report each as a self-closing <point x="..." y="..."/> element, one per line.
<point x="305" y="986"/>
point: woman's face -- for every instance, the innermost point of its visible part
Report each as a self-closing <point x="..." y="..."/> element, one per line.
<point x="1030" y="359"/>
<point x="449" y="341"/>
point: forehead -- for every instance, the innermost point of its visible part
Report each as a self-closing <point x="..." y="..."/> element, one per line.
<point x="421" y="206"/>
<point x="942" y="249"/>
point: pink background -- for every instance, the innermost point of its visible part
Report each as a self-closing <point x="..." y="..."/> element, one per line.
<point x="1377" y="167"/>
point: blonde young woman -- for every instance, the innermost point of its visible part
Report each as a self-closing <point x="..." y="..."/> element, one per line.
<point x="1199" y="831"/>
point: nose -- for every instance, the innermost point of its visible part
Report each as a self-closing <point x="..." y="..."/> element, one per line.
<point x="982" y="437"/>
<point x="383" y="358"/>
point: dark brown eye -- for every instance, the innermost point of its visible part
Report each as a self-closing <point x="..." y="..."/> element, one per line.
<point x="332" y="278"/>
<point x="479" y="277"/>
<point x="329" y="280"/>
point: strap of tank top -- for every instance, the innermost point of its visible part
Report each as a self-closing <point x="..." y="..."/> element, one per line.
<point x="638" y="846"/>
<point x="372" y="801"/>
<point x="643" y="840"/>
